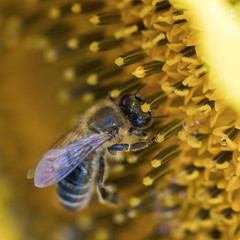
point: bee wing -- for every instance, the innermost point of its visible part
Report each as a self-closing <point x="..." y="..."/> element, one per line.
<point x="71" y="136"/>
<point x="57" y="163"/>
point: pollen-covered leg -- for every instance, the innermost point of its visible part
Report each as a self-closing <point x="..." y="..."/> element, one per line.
<point x="106" y="193"/>
<point x="130" y="147"/>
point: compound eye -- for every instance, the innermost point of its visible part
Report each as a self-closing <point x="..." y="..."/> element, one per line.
<point x="141" y="121"/>
<point x="124" y="101"/>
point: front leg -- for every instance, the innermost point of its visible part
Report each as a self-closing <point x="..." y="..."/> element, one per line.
<point x="131" y="147"/>
<point x="106" y="193"/>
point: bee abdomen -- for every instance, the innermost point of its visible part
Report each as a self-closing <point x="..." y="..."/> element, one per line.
<point x="74" y="191"/>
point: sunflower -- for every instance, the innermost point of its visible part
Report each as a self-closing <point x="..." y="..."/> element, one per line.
<point x="186" y="184"/>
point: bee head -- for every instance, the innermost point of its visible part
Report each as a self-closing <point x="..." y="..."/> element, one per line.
<point x="131" y="106"/>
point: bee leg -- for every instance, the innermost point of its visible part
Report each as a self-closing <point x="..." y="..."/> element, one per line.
<point x="106" y="193"/>
<point x="130" y="147"/>
<point x="139" y="133"/>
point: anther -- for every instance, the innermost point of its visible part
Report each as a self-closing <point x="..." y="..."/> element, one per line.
<point x="129" y="30"/>
<point x="154" y="101"/>
<point x="179" y="17"/>
<point x="105" y="44"/>
<point x="102" y="73"/>
<point x="160" y="39"/>
<point x="74" y="72"/>
<point x="214" y="191"/>
<point x="106" y="18"/>
<point x="141" y="196"/>
<point x="131" y="57"/>
<point x="148" y="69"/>
<point x="156" y="174"/>
<point x="215" y="234"/>
<point x="82" y="40"/>
<point x="86" y="6"/>
<point x="126" y="86"/>
<point x="162" y="5"/>
<point x="169" y="130"/>
<point x="222" y="159"/>
<point x="165" y="156"/>
<point x="180" y="89"/>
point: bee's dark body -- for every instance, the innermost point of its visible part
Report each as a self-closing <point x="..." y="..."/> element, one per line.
<point x="74" y="190"/>
<point x="118" y="119"/>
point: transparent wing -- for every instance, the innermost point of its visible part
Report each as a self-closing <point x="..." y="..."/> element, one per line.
<point x="71" y="136"/>
<point x="57" y="163"/>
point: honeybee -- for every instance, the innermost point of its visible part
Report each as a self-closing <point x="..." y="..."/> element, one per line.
<point x="104" y="132"/>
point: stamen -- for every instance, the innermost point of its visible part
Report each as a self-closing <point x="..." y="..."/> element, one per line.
<point x="206" y="101"/>
<point x="140" y="197"/>
<point x="215" y="234"/>
<point x="126" y="3"/>
<point x="203" y="214"/>
<point x="106" y="18"/>
<point x="148" y="69"/>
<point x="86" y="6"/>
<point x="72" y="73"/>
<point x="214" y="191"/>
<point x="180" y="89"/>
<point x="227" y="213"/>
<point x="179" y="17"/>
<point x="232" y="132"/>
<point x="131" y="57"/>
<point x="222" y="159"/>
<point x="162" y="5"/>
<point x="169" y="130"/>
<point x="154" y="101"/>
<point x="103" y="73"/>
<point x="191" y="172"/>
<point x="156" y="174"/>
<point x="82" y="40"/>
<point x="165" y="156"/>
<point x="200" y="71"/>
<point x="52" y="35"/>
<point x="105" y="44"/>
<point x="75" y="8"/>
<point x="125" y="87"/>
<point x="160" y="39"/>
<point x="55" y="54"/>
<point x="129" y="30"/>
<point x="188" y="51"/>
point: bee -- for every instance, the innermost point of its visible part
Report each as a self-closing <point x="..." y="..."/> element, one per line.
<point x="103" y="133"/>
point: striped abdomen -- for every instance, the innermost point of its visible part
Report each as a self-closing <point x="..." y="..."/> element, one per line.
<point x="74" y="191"/>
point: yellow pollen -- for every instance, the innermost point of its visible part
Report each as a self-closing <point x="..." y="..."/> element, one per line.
<point x="134" y="201"/>
<point x="94" y="46"/>
<point x="95" y="20"/>
<point x="115" y="93"/>
<point x="69" y="74"/>
<point x="119" y="61"/>
<point x="147" y="181"/>
<point x="54" y="13"/>
<point x="92" y="80"/>
<point x="73" y="43"/>
<point x="139" y="72"/>
<point x="222" y="165"/>
<point x="132" y="213"/>
<point x="76" y="8"/>
<point x="156" y="163"/>
<point x="88" y="97"/>
<point x="192" y="176"/>
<point x="146" y="107"/>
<point x="159" y="138"/>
